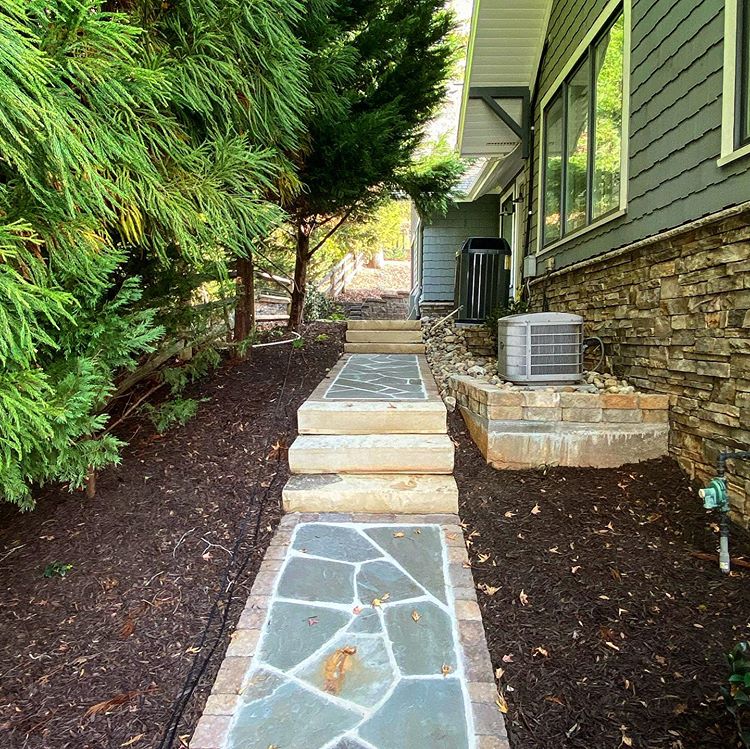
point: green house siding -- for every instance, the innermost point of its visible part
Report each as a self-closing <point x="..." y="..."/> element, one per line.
<point x="677" y="58"/>
<point x="443" y="236"/>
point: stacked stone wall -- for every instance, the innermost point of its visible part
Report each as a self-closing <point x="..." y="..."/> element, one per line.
<point x="675" y="318"/>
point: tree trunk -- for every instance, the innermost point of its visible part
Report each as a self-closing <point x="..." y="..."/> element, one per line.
<point x="300" y="277"/>
<point x="91" y="484"/>
<point x="244" y="311"/>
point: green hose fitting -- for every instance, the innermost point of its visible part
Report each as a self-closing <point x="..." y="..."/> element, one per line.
<point x="715" y="495"/>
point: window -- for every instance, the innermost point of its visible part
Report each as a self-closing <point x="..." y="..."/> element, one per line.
<point x="735" y="128"/>
<point x="743" y="79"/>
<point x="582" y="149"/>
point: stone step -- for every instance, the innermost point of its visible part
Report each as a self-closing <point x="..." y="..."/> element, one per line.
<point x="384" y="336"/>
<point x="371" y="417"/>
<point x="384" y="348"/>
<point x="371" y="453"/>
<point x="376" y="493"/>
<point x="384" y="325"/>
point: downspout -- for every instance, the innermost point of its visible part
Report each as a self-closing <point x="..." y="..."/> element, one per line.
<point x="532" y="152"/>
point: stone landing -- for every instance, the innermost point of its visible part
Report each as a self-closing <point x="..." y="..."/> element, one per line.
<point x="361" y="632"/>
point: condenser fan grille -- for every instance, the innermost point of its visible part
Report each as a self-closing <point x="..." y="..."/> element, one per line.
<point x="540" y="347"/>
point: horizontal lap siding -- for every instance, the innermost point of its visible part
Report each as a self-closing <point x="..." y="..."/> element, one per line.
<point x="675" y="118"/>
<point x="444" y="236"/>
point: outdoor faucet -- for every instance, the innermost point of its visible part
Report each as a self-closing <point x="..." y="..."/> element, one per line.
<point x="716" y="497"/>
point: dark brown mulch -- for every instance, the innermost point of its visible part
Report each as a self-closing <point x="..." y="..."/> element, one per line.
<point x="98" y="659"/>
<point x="608" y="632"/>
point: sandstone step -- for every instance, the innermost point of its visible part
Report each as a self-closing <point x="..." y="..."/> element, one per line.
<point x="371" y="417"/>
<point x="371" y="453"/>
<point x="384" y="336"/>
<point x="384" y="348"/>
<point x="376" y="493"/>
<point x="384" y="325"/>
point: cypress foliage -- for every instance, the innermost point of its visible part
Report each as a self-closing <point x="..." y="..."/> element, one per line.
<point x="137" y="139"/>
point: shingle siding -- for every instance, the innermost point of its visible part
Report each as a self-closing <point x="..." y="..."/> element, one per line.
<point x="677" y="57"/>
<point x="444" y="236"/>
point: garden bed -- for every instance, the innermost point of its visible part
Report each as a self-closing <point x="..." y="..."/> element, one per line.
<point x="605" y="630"/>
<point x="99" y="658"/>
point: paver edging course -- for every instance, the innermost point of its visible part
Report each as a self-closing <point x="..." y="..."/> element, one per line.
<point x="488" y="724"/>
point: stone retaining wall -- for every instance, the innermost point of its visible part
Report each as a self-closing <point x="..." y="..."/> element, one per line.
<point x="526" y="428"/>
<point x="675" y="318"/>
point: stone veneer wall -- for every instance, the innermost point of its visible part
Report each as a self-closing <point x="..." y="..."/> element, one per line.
<point x="528" y="428"/>
<point x="675" y="317"/>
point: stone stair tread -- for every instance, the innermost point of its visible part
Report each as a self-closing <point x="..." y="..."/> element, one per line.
<point x="384" y="336"/>
<point x="398" y="493"/>
<point x="372" y="453"/>
<point x="372" y="417"/>
<point x="384" y="348"/>
<point x="384" y="325"/>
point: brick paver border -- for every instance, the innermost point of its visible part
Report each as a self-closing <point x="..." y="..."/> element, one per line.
<point x="489" y="726"/>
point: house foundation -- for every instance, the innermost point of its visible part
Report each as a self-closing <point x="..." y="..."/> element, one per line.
<point x="674" y="314"/>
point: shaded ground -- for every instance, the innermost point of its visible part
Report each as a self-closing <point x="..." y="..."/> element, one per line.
<point x="163" y="560"/>
<point x="607" y="632"/>
<point x="371" y="283"/>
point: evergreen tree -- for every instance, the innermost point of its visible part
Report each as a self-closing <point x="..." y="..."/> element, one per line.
<point x="379" y="70"/>
<point x="153" y="139"/>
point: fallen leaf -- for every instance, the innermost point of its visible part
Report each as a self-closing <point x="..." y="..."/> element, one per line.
<point x="398" y="534"/>
<point x="540" y="651"/>
<point x="499" y="673"/>
<point x="450" y="536"/>
<point x="523" y="598"/>
<point x="376" y="602"/>
<point x="132" y="741"/>
<point x="415" y="615"/>
<point x="312" y="621"/>
<point x="611" y="645"/>
<point x="446" y="669"/>
<point x="552" y="698"/>
<point x="117" y="701"/>
<point x="575" y="569"/>
<point x="508" y="658"/>
<point x="483" y="558"/>
<point x="536" y="510"/>
<point x="510" y="514"/>
<point x="501" y="703"/>
<point x="490" y="590"/>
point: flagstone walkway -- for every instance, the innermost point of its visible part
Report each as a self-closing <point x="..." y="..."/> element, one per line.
<point x="361" y="631"/>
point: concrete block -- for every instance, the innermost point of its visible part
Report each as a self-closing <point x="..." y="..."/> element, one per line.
<point x="582" y="414"/>
<point x="373" y="493"/>
<point x="622" y="415"/>
<point x="542" y="414"/>
<point x="652" y="401"/>
<point x="504" y="413"/>
<point x="580" y="400"/>
<point x="541" y="398"/>
<point x="372" y="453"/>
<point x="620" y="400"/>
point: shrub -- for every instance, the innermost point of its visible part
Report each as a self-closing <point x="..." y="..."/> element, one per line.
<point x="737" y="694"/>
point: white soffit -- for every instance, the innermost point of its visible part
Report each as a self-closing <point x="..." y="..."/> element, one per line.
<point x="507" y="38"/>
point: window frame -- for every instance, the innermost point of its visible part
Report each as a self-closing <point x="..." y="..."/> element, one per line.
<point x="585" y="54"/>
<point x="735" y="143"/>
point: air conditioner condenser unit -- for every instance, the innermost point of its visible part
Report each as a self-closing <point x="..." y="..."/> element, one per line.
<point x="540" y="347"/>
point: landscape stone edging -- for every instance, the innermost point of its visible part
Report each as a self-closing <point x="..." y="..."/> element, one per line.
<point x="212" y="729"/>
<point x="525" y="428"/>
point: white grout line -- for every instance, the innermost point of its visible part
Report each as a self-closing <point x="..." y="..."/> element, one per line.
<point x="367" y="712"/>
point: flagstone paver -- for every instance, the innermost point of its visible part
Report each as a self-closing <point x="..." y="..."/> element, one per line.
<point x="361" y="631"/>
<point x="410" y="669"/>
<point x="394" y="377"/>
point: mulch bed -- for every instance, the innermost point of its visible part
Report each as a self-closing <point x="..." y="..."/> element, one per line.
<point x="607" y="631"/>
<point x="162" y="562"/>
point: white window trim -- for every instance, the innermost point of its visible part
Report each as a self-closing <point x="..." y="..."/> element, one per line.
<point x="729" y="94"/>
<point x="554" y="89"/>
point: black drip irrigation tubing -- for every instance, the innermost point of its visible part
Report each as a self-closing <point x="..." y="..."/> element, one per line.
<point x="222" y="602"/>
